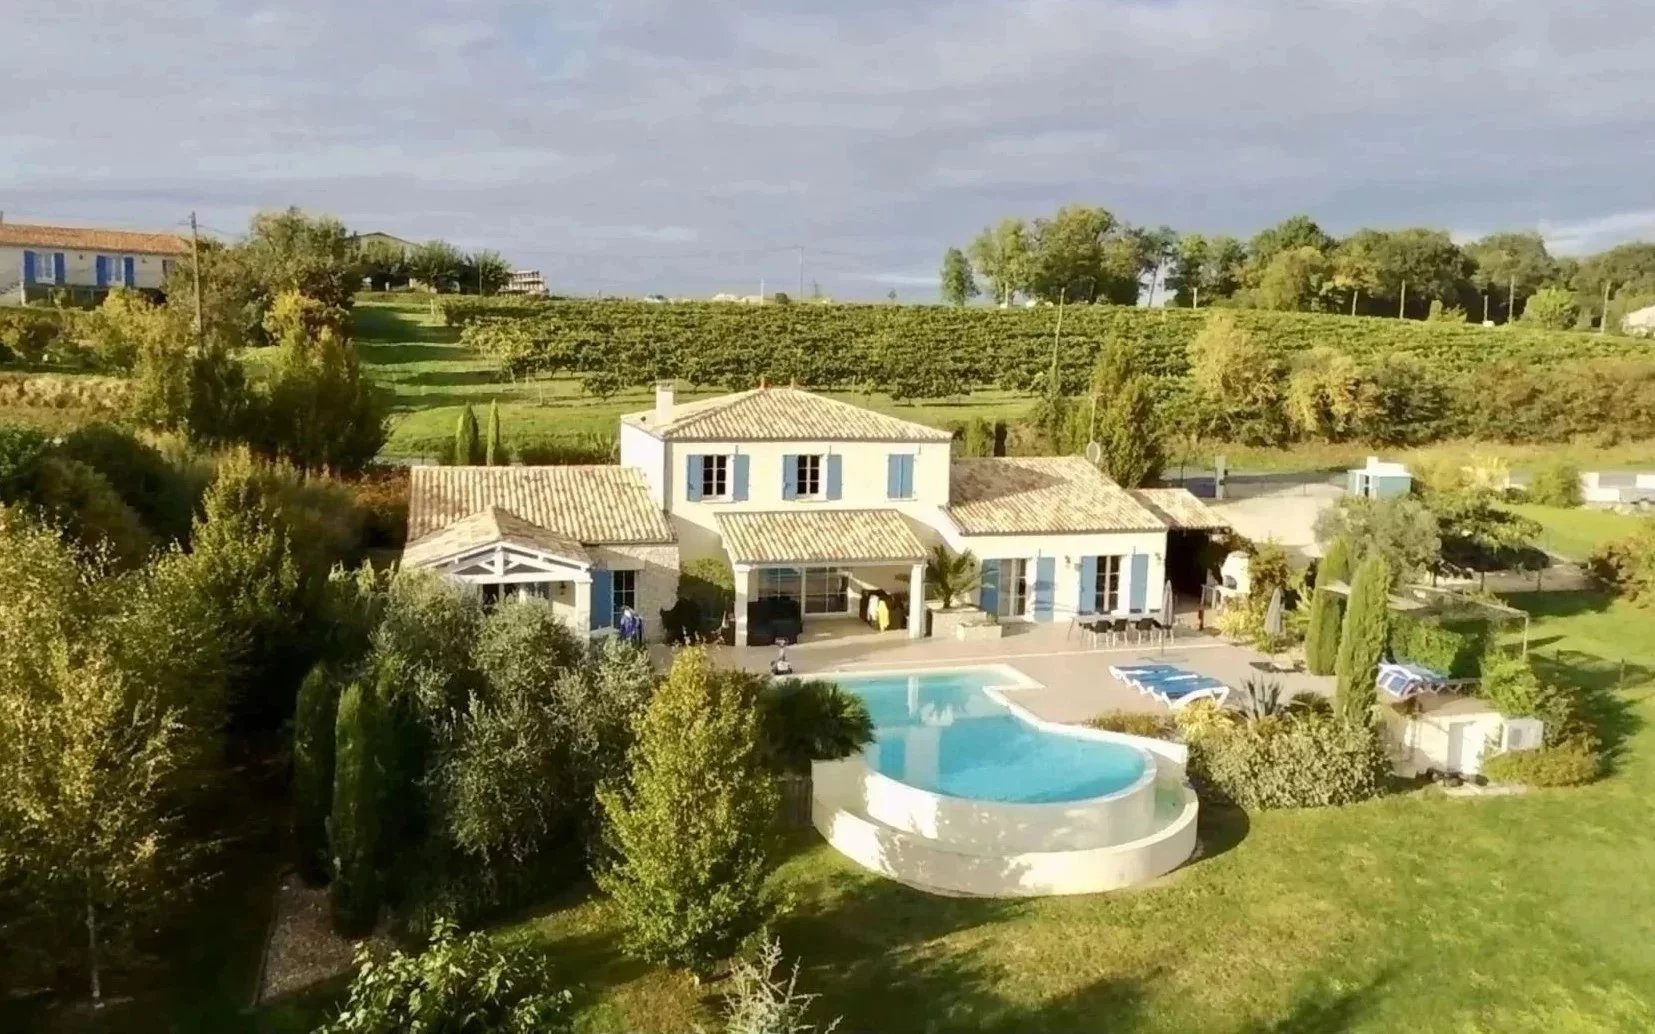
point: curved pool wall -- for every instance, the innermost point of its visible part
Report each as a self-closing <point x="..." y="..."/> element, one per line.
<point x="957" y="845"/>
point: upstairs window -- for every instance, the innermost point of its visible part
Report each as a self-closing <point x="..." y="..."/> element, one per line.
<point x="715" y="477"/>
<point x="807" y="475"/>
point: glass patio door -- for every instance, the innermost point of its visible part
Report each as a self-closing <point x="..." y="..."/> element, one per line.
<point x="1014" y="589"/>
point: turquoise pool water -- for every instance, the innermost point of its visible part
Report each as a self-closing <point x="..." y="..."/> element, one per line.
<point x="941" y="732"/>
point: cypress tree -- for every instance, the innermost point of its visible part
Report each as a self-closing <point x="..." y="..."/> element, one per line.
<point x="494" y="448"/>
<point x="1128" y="436"/>
<point x="313" y="732"/>
<point x="1321" y="642"/>
<point x="1362" y="640"/>
<point x="468" y="450"/>
<point x="354" y="825"/>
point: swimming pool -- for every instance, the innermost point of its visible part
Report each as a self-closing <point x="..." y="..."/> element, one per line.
<point x="943" y="732"/>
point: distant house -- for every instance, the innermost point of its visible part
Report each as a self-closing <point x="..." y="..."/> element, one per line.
<point x="368" y="239"/>
<point x="1640" y="322"/>
<point x="37" y="260"/>
<point x="525" y="281"/>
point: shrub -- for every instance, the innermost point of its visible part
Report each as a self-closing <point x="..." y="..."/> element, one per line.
<point x="951" y="577"/>
<point x="1134" y="723"/>
<point x="1556" y="484"/>
<point x="762" y="1001"/>
<point x="1626" y="566"/>
<point x="1321" y="643"/>
<point x="468" y="446"/>
<point x="690" y="831"/>
<point x="1297" y="760"/>
<point x="381" y="502"/>
<point x="1510" y="683"/>
<point x="494" y="445"/>
<point x="163" y="495"/>
<point x="457" y="984"/>
<point x="806" y="720"/>
<point x="354" y="827"/>
<point x="1362" y="640"/>
<point x="314" y="720"/>
<point x="1456" y="653"/>
<point x="1570" y="763"/>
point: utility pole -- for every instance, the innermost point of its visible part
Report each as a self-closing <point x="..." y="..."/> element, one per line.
<point x="1402" y="305"/>
<point x="1485" y="306"/>
<point x="1057" y="336"/>
<point x="1195" y="297"/>
<point x="1511" y="300"/>
<point x="1603" y="324"/>
<point x="195" y="265"/>
<point x="801" y="294"/>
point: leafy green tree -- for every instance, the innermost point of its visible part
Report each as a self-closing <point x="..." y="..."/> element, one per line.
<point x="691" y="830"/>
<point x="1508" y="268"/>
<point x="457" y="985"/>
<point x="1321" y="641"/>
<point x="1357" y="268"/>
<point x="1627" y="268"/>
<point x="1296" y="280"/>
<point x="1362" y="639"/>
<point x="383" y="264"/>
<point x="1417" y="265"/>
<point x="1129" y="435"/>
<point x="468" y="449"/>
<point x="1236" y="384"/>
<point x="1004" y="255"/>
<point x="437" y="265"/>
<point x="1292" y="234"/>
<point x="1479" y="533"/>
<point x="808" y="720"/>
<point x="484" y="272"/>
<point x="958" y="284"/>
<point x="494" y="447"/>
<point x="1401" y="529"/>
<point x="354" y="825"/>
<point x="314" y="722"/>
<point x="1084" y="253"/>
<point x="1550" y="308"/>
<point x="308" y="255"/>
<point x="323" y="411"/>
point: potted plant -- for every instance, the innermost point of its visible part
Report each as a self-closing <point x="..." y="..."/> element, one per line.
<point x="950" y="579"/>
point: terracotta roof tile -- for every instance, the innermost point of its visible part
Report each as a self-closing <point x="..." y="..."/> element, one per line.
<point x="83" y="238"/>
<point x="589" y="504"/>
<point x="488" y="527"/>
<point x="782" y="414"/>
<point x="1180" y="509"/>
<point x="818" y="537"/>
<point x="1026" y="495"/>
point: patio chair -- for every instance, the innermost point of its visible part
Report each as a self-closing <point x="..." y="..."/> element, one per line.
<point x="1147" y="627"/>
<point x="1094" y="631"/>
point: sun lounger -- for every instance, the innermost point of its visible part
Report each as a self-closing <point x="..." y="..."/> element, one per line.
<point x="1406" y="681"/>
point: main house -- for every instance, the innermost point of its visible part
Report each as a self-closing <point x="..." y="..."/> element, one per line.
<point x="805" y="497"/>
<point x="37" y="260"/>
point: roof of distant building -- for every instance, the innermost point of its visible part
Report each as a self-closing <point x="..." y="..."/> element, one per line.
<point x="588" y="504"/>
<point x="1180" y="509"/>
<point x="1029" y="495"/>
<point x="781" y="414"/>
<point x="86" y="238"/>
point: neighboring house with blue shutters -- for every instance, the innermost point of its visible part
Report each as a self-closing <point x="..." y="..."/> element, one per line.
<point x="807" y="498"/>
<point x="36" y="261"/>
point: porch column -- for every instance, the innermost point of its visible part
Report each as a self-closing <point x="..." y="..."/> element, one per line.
<point x="583" y="601"/>
<point x="743" y="579"/>
<point x="916" y="602"/>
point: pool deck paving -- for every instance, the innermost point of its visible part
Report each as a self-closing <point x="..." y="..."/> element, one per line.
<point x="1074" y="679"/>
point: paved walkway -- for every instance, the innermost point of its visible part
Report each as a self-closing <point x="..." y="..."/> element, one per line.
<point x="1075" y="683"/>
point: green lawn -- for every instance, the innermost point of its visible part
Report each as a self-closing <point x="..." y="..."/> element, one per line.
<point x="1418" y="912"/>
<point x="1574" y="532"/>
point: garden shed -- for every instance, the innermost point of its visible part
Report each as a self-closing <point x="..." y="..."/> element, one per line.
<point x="1379" y="480"/>
<point x="1448" y="733"/>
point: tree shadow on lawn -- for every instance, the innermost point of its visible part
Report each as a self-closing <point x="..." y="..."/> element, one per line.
<point x="1323" y="1008"/>
<point x="457" y="378"/>
<point x="1601" y="686"/>
<point x="1219" y="828"/>
<point x="404" y="354"/>
<point x="371" y="324"/>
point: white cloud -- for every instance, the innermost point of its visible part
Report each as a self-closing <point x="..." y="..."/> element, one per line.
<point x="729" y="130"/>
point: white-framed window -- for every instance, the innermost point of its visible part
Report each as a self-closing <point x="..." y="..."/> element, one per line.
<point x="807" y="475"/>
<point x="1109" y="585"/>
<point x="715" y="477"/>
<point x="778" y="581"/>
<point x="623" y="593"/>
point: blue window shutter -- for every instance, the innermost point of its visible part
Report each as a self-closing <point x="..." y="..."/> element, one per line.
<point x="738" y="477"/>
<point x="908" y="476"/>
<point x="58" y="270"/>
<point x="129" y="267"/>
<point x="102" y="264"/>
<point x="1088" y="603"/>
<point x="692" y="478"/>
<point x="988" y="589"/>
<point x="790" y="477"/>
<point x="1138" y="592"/>
<point x="28" y="267"/>
<point x="1045" y="573"/>
<point x="893" y="476"/>
<point x="603" y="596"/>
<point x="835" y="475"/>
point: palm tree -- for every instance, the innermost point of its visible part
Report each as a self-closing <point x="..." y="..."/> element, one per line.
<point x="950" y="576"/>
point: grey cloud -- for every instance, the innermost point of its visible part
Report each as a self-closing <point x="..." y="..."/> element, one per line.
<point x="654" y="145"/>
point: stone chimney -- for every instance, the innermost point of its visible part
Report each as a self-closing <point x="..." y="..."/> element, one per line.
<point x="663" y="403"/>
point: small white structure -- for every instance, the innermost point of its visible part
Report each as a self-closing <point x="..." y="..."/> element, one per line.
<point x="1614" y="489"/>
<point x="1235" y="576"/>
<point x="1640" y="322"/>
<point x="525" y="281"/>
<point x="1380" y="480"/>
<point x="1453" y="734"/>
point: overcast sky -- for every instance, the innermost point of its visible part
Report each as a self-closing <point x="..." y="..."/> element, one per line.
<point x="629" y="146"/>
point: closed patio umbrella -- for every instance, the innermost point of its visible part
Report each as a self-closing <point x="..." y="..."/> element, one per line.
<point x="1275" y="622"/>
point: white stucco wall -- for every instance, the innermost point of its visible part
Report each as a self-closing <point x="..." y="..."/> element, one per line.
<point x="863" y="483"/>
<point x="80" y="267"/>
<point x="657" y="568"/>
<point x="646" y="452"/>
<point x="1067" y="551"/>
